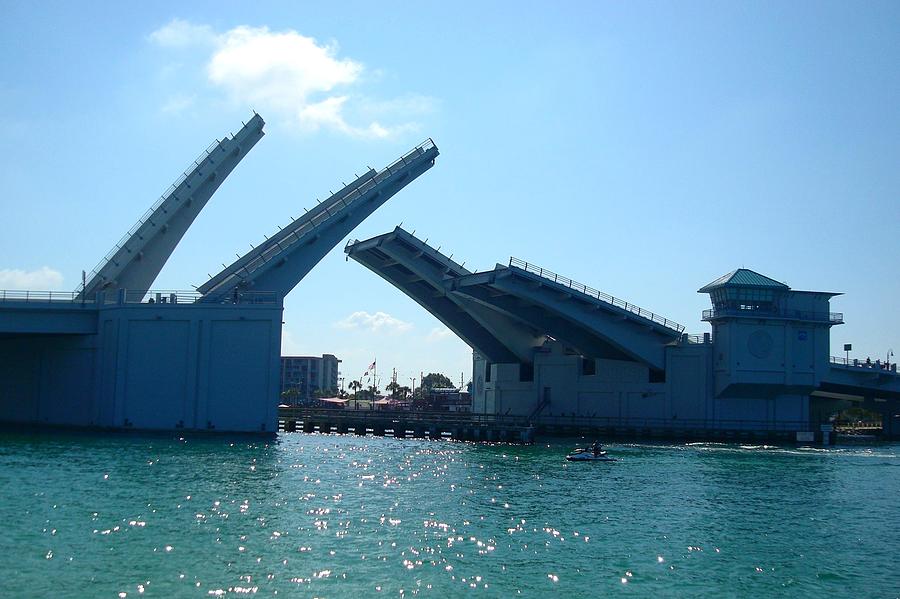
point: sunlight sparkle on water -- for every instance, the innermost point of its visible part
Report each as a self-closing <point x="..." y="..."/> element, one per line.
<point x="439" y="516"/>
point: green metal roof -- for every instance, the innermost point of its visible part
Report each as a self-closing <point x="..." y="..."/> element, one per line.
<point x="743" y="277"/>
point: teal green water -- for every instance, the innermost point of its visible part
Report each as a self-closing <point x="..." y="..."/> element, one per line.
<point x="338" y="516"/>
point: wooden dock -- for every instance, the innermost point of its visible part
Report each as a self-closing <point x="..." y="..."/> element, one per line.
<point x="465" y="426"/>
<point x="460" y="426"/>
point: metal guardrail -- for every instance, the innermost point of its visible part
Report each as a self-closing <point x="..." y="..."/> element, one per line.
<point x="604" y="297"/>
<point x="128" y="296"/>
<point x="830" y="317"/>
<point x="697" y="339"/>
<point x="280" y="243"/>
<point x="37" y="296"/>
<point x="867" y="364"/>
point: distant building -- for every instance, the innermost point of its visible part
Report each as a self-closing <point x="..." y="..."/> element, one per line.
<point x="308" y="374"/>
<point x="446" y="399"/>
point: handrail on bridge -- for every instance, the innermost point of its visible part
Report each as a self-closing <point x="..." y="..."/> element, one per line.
<point x="866" y="364"/>
<point x="604" y="297"/>
<point x="830" y="317"/>
<point x="128" y="296"/>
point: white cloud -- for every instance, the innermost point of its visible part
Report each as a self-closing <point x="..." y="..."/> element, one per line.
<point x="380" y="322"/>
<point x="178" y="33"/>
<point x="42" y="279"/>
<point x="438" y="334"/>
<point x="178" y="103"/>
<point x="285" y="72"/>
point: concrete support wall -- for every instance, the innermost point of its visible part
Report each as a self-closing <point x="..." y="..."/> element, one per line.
<point x="621" y="391"/>
<point x="771" y="355"/>
<point x="154" y="367"/>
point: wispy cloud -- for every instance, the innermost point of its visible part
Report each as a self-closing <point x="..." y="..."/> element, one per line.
<point x="179" y="33"/>
<point x="379" y="322"/>
<point x="42" y="279"/>
<point x="178" y="104"/>
<point x="292" y="75"/>
<point x="438" y="334"/>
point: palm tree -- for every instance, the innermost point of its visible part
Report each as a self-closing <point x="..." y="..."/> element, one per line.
<point x="393" y="387"/>
<point x="355" y="386"/>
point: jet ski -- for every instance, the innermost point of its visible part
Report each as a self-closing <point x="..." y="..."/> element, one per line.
<point x="593" y="453"/>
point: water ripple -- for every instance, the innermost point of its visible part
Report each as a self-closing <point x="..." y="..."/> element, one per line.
<point x="330" y="515"/>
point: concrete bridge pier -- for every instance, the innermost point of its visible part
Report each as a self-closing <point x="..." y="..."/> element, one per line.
<point x="890" y="419"/>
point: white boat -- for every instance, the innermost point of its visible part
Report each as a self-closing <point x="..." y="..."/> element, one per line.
<point x="588" y="455"/>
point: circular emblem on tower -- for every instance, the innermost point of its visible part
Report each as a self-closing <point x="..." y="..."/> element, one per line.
<point x="760" y="344"/>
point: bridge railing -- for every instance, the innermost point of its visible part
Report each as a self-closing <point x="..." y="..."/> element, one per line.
<point x="128" y="296"/>
<point x="12" y="295"/>
<point x="830" y="317"/>
<point x="604" y="297"/>
<point x="866" y="364"/>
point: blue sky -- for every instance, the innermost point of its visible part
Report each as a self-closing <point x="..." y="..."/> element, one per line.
<point x="643" y="149"/>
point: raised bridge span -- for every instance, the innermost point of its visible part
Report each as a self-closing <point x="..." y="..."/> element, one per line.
<point x="114" y="355"/>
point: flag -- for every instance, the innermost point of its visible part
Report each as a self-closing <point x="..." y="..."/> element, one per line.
<point x="371" y="366"/>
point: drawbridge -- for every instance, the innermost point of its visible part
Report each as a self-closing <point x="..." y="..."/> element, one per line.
<point x="421" y="271"/>
<point x="115" y="355"/>
<point x="280" y="262"/>
<point x="136" y="260"/>
<point x="505" y="313"/>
